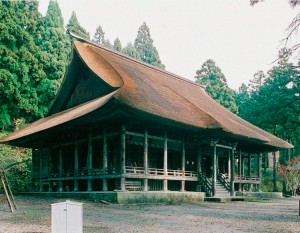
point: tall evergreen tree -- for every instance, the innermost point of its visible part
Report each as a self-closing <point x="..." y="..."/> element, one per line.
<point x="21" y="62"/>
<point x="212" y="77"/>
<point x="56" y="46"/>
<point x="74" y="26"/>
<point x="117" y="45"/>
<point x="99" y="35"/>
<point x="145" y="48"/>
<point x="130" y="51"/>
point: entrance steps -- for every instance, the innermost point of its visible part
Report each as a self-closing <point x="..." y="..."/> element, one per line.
<point x="221" y="191"/>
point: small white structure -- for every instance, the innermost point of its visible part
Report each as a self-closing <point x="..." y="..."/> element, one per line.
<point x="66" y="217"/>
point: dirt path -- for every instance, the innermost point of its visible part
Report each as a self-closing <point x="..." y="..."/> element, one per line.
<point x="34" y="215"/>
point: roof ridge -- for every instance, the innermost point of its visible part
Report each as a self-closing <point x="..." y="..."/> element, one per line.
<point x="134" y="60"/>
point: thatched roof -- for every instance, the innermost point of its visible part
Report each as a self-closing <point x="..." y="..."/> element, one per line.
<point x="149" y="90"/>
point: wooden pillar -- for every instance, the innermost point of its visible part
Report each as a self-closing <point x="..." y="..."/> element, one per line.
<point x="41" y="189"/>
<point x="259" y="158"/>
<point x="214" y="168"/>
<point x="275" y="172"/>
<point x="105" y="161"/>
<point x="89" y="162"/>
<point x="242" y="168"/>
<point x="123" y="154"/>
<point x="50" y="169"/>
<point x="146" y="160"/>
<point x="249" y="171"/>
<point x="60" y="169"/>
<point x="199" y="161"/>
<point x="232" y="175"/>
<point x="229" y="165"/>
<point x="76" y="165"/>
<point x="240" y="171"/>
<point x="165" y="185"/>
<point x="183" y="165"/>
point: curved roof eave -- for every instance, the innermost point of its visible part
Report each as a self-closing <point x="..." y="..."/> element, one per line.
<point x="59" y="118"/>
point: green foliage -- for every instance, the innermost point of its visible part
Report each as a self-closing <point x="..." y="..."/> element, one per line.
<point x="99" y="38"/>
<point x="273" y="101"/>
<point x="117" y="45"/>
<point x="21" y="62"/>
<point x="99" y="35"/>
<point x="145" y="48"/>
<point x="291" y="175"/>
<point x="74" y="26"/>
<point x="19" y="175"/>
<point x="268" y="181"/>
<point x="215" y="82"/>
<point x="56" y="47"/>
<point x="130" y="51"/>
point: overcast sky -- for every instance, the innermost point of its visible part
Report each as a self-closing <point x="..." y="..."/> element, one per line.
<point x="241" y="39"/>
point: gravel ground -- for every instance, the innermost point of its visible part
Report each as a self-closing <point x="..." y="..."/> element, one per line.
<point x="280" y="215"/>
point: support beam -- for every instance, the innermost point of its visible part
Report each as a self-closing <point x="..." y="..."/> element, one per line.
<point x="60" y="169"/>
<point x="146" y="160"/>
<point x="214" y="167"/>
<point x="76" y="167"/>
<point x="229" y="165"/>
<point x="183" y="165"/>
<point x="249" y="171"/>
<point x="275" y="172"/>
<point x="41" y="189"/>
<point x="232" y="175"/>
<point x="123" y="154"/>
<point x="199" y="160"/>
<point x="165" y="185"/>
<point x="259" y="174"/>
<point x="89" y="161"/>
<point x="105" y="161"/>
<point x="240" y="171"/>
<point x="33" y="152"/>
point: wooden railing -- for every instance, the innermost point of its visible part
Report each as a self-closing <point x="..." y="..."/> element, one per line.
<point x="206" y="184"/>
<point x="223" y="178"/>
<point x="85" y="172"/>
<point x="246" y="178"/>
<point x="158" y="172"/>
<point x="128" y="170"/>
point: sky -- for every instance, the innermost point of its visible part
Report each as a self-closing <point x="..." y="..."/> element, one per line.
<point x="240" y="38"/>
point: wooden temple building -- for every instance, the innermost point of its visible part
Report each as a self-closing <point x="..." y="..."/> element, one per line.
<point x="118" y="124"/>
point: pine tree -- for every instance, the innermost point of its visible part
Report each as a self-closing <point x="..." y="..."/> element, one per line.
<point x="21" y="62"/>
<point x="56" y="46"/>
<point x="145" y="48"/>
<point x="130" y="51"/>
<point x="212" y="77"/>
<point x="117" y="45"/>
<point x="74" y="26"/>
<point x="99" y="35"/>
<point x="99" y="38"/>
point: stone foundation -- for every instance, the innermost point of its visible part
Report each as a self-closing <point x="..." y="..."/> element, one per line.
<point x="129" y="197"/>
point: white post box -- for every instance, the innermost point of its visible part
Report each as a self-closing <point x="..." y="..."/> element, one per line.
<point x="66" y="217"/>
